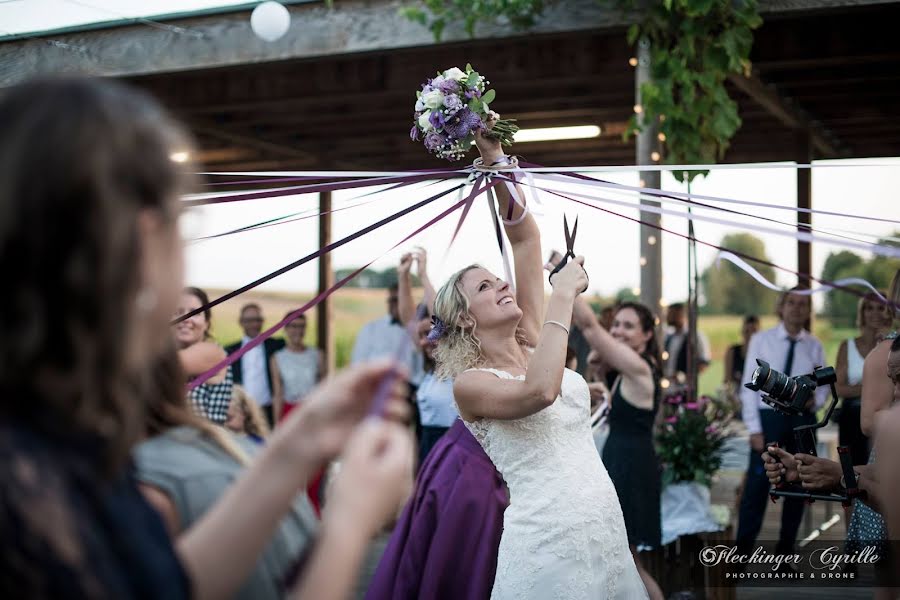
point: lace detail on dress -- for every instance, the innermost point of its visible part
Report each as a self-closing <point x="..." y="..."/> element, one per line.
<point x="564" y="535"/>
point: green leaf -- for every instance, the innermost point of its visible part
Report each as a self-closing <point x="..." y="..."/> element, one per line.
<point x="633" y="33"/>
<point x="469" y="68"/>
<point x="488" y="96"/>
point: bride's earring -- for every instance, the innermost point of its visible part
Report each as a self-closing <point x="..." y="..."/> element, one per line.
<point x="146" y="299"/>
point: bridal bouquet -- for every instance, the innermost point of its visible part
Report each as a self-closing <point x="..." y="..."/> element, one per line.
<point x="450" y="108"/>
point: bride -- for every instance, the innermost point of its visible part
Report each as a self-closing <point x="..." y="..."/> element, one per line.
<point x="563" y="533"/>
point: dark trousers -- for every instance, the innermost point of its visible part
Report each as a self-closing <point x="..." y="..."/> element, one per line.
<point x="428" y="437"/>
<point x="776" y="428"/>
<point x="270" y="415"/>
<point x="850" y="433"/>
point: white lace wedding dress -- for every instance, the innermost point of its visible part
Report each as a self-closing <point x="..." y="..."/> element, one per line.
<point x="563" y="533"/>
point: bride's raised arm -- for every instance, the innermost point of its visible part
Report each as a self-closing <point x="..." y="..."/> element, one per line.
<point x="525" y="239"/>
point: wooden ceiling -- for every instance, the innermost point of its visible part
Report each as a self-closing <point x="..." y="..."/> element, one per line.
<point x="832" y="76"/>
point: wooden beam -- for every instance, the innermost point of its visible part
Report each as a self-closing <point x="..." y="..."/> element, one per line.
<point x="299" y="156"/>
<point x="324" y="314"/>
<point x="793" y="117"/>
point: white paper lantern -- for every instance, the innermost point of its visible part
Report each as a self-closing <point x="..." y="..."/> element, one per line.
<point x="270" y="21"/>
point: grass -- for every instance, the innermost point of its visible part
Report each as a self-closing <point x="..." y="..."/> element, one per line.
<point x="354" y="307"/>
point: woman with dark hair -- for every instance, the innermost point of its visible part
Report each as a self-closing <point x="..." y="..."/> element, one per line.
<point x="199" y="353"/>
<point x="631" y="349"/>
<point x="93" y="263"/>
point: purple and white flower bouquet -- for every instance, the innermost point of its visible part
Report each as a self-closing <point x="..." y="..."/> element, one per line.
<point x="450" y="108"/>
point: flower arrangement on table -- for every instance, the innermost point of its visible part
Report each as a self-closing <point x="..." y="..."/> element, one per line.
<point x="689" y="443"/>
<point x="451" y="107"/>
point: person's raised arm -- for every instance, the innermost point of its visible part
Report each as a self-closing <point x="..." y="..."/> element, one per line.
<point x="525" y="239"/>
<point x="481" y="394"/>
<point x="877" y="389"/>
<point x="614" y="353"/>
<point x="406" y="307"/>
<point x="421" y="258"/>
<point x="200" y="357"/>
<point x="220" y="550"/>
<point x="374" y="480"/>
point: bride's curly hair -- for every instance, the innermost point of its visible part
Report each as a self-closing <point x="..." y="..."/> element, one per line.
<point x="459" y="348"/>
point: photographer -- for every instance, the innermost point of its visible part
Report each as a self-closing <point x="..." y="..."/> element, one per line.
<point x="790" y="348"/>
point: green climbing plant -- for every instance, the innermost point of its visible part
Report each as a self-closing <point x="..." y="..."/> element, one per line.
<point x="694" y="46"/>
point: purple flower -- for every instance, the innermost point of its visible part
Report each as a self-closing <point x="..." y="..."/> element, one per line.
<point x="438" y="329"/>
<point x="691" y="405"/>
<point x="473" y="93"/>
<point x="414" y="133"/>
<point x="712" y="429"/>
<point x="437" y="119"/>
<point x="434" y="140"/>
<point x="453" y="102"/>
<point x="672" y="419"/>
<point x="449" y="86"/>
<point x="462" y="124"/>
<point x="672" y="400"/>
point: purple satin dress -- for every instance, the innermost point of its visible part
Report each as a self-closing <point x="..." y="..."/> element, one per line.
<point x="445" y="545"/>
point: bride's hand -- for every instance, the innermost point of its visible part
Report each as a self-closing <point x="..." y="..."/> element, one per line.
<point x="488" y="146"/>
<point x="572" y="277"/>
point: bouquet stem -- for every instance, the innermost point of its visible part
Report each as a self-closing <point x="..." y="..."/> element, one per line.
<point x="503" y="130"/>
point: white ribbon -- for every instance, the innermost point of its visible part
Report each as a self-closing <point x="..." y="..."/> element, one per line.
<point x="742" y="264"/>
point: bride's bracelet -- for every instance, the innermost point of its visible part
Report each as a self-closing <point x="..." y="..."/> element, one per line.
<point x="550" y="322"/>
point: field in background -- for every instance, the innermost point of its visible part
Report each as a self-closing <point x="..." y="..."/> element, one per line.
<point x="354" y="307"/>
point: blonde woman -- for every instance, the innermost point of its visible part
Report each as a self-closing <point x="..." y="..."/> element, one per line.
<point x="245" y="417"/>
<point x="563" y="533"/>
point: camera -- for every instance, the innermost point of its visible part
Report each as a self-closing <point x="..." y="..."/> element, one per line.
<point x="785" y="394"/>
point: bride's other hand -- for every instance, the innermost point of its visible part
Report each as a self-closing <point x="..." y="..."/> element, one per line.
<point x="572" y="277"/>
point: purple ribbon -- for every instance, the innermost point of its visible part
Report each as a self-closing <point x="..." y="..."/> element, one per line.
<point x="235" y="356"/>
<point x="313" y="255"/>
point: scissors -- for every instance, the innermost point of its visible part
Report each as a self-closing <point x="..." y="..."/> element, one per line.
<point x="570" y="244"/>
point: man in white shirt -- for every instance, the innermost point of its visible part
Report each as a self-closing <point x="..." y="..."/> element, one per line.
<point x="791" y="349"/>
<point x="252" y="370"/>
<point x="676" y="343"/>
<point x="383" y="337"/>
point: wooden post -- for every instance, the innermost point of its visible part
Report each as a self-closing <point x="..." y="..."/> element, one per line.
<point x="651" y="238"/>
<point x="326" y="280"/>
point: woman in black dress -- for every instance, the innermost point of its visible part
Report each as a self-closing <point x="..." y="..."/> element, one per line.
<point x="631" y="349"/>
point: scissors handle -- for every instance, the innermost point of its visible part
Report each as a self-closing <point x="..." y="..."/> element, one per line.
<point x="560" y="265"/>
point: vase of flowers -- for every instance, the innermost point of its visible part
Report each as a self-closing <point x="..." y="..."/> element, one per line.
<point x="689" y="445"/>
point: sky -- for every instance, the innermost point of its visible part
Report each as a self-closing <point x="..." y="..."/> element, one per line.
<point x="609" y="243"/>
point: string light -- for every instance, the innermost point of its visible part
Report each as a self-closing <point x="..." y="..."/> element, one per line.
<point x="662" y="118"/>
<point x="636" y="291"/>
<point x="651" y="240"/>
<point x="643" y="261"/>
<point x="654" y="156"/>
<point x="664" y="384"/>
<point x="665" y="355"/>
<point x="661" y="136"/>
<point x="663" y="303"/>
<point x="638" y="108"/>
<point x="179" y="157"/>
<point x="633" y="61"/>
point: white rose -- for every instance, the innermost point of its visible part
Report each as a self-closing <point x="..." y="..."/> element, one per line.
<point x="420" y="106"/>
<point x="424" y="123"/>
<point x="437" y="81"/>
<point x="455" y="73"/>
<point x="433" y="99"/>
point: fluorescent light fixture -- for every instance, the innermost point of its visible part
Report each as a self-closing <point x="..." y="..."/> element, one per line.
<point x="179" y="157"/>
<point x="546" y="134"/>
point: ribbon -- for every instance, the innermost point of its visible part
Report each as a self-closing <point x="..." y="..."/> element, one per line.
<point x="742" y="264"/>
<point x="235" y="356"/>
<point x="311" y="256"/>
<point x="884" y="250"/>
